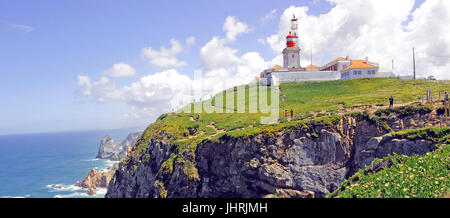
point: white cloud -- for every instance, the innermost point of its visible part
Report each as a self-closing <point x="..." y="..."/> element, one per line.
<point x="233" y="27"/>
<point x="84" y="83"/>
<point x="268" y="17"/>
<point x="102" y="90"/>
<point x="215" y="54"/>
<point x="190" y="41"/>
<point x="20" y="27"/>
<point x="383" y="30"/>
<point x="120" y="70"/>
<point x="262" y="41"/>
<point x="165" y="57"/>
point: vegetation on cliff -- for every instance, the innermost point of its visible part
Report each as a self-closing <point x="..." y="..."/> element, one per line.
<point x="399" y="176"/>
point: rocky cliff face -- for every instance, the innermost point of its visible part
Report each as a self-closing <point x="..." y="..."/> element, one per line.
<point x="97" y="179"/>
<point x="308" y="161"/>
<point x="109" y="150"/>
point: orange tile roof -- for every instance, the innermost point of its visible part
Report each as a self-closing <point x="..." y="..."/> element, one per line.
<point x="337" y="59"/>
<point x="311" y="67"/>
<point x="360" y="64"/>
<point x="276" y="67"/>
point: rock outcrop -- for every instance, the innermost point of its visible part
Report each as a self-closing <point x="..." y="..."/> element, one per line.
<point x="96" y="179"/>
<point x="309" y="161"/>
<point x="109" y="150"/>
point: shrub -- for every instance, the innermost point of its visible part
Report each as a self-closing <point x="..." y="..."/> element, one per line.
<point x="405" y="111"/>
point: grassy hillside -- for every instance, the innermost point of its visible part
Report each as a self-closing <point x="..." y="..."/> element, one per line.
<point x="403" y="177"/>
<point x="313" y="99"/>
<point x="331" y="95"/>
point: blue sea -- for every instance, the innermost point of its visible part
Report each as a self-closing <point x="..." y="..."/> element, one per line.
<point x="48" y="165"/>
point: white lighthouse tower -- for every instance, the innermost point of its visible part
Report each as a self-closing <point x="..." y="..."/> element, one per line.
<point x="294" y="27"/>
<point x="291" y="54"/>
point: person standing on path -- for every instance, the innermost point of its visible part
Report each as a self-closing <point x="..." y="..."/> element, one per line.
<point x="391" y="101"/>
<point x="285" y="114"/>
<point x="292" y="113"/>
<point x="446" y="98"/>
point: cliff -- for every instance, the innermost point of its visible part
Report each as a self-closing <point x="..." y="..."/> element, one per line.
<point x="97" y="179"/>
<point x="293" y="159"/>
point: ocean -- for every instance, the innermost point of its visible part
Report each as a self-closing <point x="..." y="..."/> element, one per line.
<point x="48" y="165"/>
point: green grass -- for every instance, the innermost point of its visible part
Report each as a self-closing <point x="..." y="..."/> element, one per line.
<point x="401" y="176"/>
<point x="326" y="96"/>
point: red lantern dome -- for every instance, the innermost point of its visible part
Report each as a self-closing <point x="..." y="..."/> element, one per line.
<point x="290" y="40"/>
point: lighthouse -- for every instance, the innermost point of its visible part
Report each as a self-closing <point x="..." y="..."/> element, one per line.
<point x="291" y="54"/>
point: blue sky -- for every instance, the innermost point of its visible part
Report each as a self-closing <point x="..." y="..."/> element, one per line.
<point x="45" y="45"/>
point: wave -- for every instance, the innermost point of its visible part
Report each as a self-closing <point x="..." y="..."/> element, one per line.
<point x="62" y="188"/>
<point x="26" y="196"/>
<point x="72" y="191"/>
<point x="100" y="193"/>
<point x="106" y="164"/>
<point x="93" y="159"/>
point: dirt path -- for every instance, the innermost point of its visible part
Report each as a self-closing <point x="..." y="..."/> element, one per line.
<point x="212" y="126"/>
<point x="199" y="134"/>
<point x="371" y="109"/>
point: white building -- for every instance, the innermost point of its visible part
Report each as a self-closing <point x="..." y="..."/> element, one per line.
<point x="341" y="68"/>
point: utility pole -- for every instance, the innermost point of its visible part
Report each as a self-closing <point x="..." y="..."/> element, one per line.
<point x="414" y="65"/>
<point x="392" y="65"/>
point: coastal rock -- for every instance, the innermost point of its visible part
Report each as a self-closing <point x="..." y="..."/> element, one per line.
<point x="91" y="191"/>
<point x="109" y="150"/>
<point x="96" y="179"/>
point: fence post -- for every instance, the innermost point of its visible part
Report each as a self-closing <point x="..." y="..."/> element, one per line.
<point x="445" y="109"/>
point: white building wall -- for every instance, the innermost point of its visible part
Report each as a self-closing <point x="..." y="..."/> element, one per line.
<point x="358" y="73"/>
<point x="365" y="73"/>
<point x="278" y="77"/>
<point x="384" y="74"/>
<point x="275" y="78"/>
